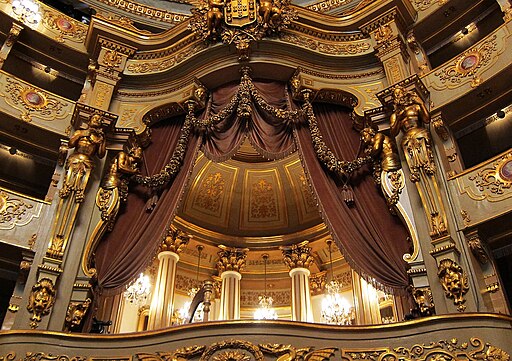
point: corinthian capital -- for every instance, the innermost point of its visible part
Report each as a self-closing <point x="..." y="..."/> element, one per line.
<point x="175" y="241"/>
<point x="298" y="255"/>
<point x="231" y="259"/>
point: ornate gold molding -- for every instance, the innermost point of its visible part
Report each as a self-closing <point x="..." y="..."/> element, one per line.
<point x="67" y="28"/>
<point x="146" y="11"/>
<point x="323" y="46"/>
<point x="475" y="350"/>
<point x="468" y="66"/>
<point x="31" y="101"/>
<point x="422" y="5"/>
<point x="13" y="211"/>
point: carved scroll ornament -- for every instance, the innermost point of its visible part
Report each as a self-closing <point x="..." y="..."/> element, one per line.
<point x="41" y="300"/>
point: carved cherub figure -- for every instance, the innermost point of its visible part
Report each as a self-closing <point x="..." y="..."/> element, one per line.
<point x="214" y="16"/>
<point x="269" y="12"/>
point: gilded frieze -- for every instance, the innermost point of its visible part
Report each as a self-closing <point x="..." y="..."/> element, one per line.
<point x="165" y="63"/>
<point x="422" y="5"/>
<point x="66" y="28"/>
<point x="146" y="11"/>
<point x="33" y="102"/>
<point x="335" y="48"/>
<point x="492" y="181"/>
<point x="251" y="298"/>
<point x="41" y="356"/>
<point x="327" y="5"/>
<point x="442" y="350"/>
<point x="468" y="67"/>
<point x="16" y="210"/>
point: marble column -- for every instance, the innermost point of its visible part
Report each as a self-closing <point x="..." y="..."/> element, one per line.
<point x="160" y="311"/>
<point x="298" y="259"/>
<point x="231" y="261"/>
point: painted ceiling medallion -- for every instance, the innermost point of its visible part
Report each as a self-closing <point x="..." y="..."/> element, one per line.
<point x="240" y="21"/>
<point x="33" y="99"/>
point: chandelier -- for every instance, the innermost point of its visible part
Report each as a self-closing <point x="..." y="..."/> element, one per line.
<point x="265" y="310"/>
<point x="336" y="310"/>
<point x="27" y="11"/>
<point x="138" y="292"/>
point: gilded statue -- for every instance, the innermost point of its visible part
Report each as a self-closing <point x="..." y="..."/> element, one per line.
<point x="270" y="13"/>
<point x="214" y="16"/>
<point x="125" y="164"/>
<point x="381" y="147"/>
<point x="87" y="143"/>
<point x="409" y="115"/>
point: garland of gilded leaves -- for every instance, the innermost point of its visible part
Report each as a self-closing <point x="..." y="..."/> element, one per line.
<point x="241" y="103"/>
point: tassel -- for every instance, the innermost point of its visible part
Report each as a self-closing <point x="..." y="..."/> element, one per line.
<point x="348" y="195"/>
<point x="151" y="203"/>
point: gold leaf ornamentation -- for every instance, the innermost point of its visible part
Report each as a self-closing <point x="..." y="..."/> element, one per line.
<point x="468" y="64"/>
<point x="33" y="101"/>
<point x="12" y="209"/>
<point x="66" y="27"/>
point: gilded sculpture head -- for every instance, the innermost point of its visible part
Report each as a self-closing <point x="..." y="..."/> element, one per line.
<point x="136" y="152"/>
<point x="367" y="134"/>
<point x="451" y="277"/>
<point x="95" y="121"/>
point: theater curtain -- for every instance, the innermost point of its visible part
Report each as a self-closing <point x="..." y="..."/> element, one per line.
<point x="269" y="135"/>
<point x="128" y="249"/>
<point x="372" y="240"/>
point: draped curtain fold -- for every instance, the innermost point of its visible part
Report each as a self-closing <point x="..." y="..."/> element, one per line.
<point x="269" y="136"/>
<point x="137" y="233"/>
<point x="372" y="240"/>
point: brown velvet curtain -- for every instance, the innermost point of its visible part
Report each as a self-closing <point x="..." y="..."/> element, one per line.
<point x="137" y="233"/>
<point x="268" y="135"/>
<point x="372" y="240"/>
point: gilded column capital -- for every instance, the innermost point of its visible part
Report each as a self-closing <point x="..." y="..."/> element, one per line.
<point x="297" y="255"/>
<point x="175" y="241"/>
<point x="231" y="259"/>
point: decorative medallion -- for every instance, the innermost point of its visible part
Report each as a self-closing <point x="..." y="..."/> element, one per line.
<point x="495" y="178"/>
<point x="454" y="281"/>
<point x="66" y="27"/>
<point x="33" y="99"/>
<point x="468" y="62"/>
<point x="505" y="170"/>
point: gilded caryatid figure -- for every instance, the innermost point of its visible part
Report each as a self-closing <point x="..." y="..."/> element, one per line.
<point x="410" y="115"/>
<point x="382" y="148"/>
<point x="269" y="13"/>
<point x="87" y="143"/>
<point x="124" y="165"/>
<point x="214" y="16"/>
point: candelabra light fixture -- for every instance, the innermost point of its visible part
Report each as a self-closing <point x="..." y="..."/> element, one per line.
<point x="138" y="292"/>
<point x="27" y="11"/>
<point x="336" y="310"/>
<point x="265" y="310"/>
